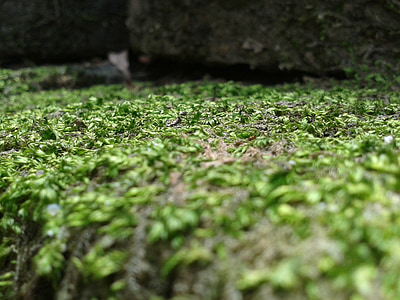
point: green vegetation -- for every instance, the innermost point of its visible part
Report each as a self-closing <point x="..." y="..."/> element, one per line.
<point x="170" y="192"/>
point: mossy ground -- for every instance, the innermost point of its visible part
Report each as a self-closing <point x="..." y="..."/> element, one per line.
<point x="201" y="190"/>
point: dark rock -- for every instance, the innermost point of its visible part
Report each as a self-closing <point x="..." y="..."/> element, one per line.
<point x="61" y="30"/>
<point x="319" y="37"/>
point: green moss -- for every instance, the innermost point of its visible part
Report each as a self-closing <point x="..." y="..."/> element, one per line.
<point x="281" y="190"/>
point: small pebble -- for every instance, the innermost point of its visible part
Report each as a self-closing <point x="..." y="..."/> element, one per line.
<point x="53" y="209"/>
<point x="388" y="139"/>
<point x="39" y="173"/>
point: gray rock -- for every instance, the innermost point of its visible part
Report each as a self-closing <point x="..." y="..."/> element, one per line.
<point x="60" y="31"/>
<point x="321" y="37"/>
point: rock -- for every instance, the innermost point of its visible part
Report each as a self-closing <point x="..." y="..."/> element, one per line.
<point x="61" y="31"/>
<point x="319" y="37"/>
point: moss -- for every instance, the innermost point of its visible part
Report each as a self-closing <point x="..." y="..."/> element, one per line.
<point x="259" y="192"/>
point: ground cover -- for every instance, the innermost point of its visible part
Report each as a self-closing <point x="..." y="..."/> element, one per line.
<point x="201" y="190"/>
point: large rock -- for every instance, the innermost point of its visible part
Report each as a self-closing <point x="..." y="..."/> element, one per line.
<point x="322" y="37"/>
<point x="61" y="30"/>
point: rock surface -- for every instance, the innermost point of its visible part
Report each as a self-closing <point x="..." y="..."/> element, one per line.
<point x="61" y="31"/>
<point x="320" y="37"/>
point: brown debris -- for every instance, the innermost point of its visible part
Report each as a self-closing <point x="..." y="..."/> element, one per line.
<point x="173" y="123"/>
<point x="177" y="191"/>
<point x="221" y="156"/>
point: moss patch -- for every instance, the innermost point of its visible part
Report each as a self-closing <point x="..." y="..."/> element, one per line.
<point x="199" y="190"/>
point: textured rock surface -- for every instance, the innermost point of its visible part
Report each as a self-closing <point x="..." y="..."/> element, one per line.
<point x="321" y="37"/>
<point x="61" y="30"/>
